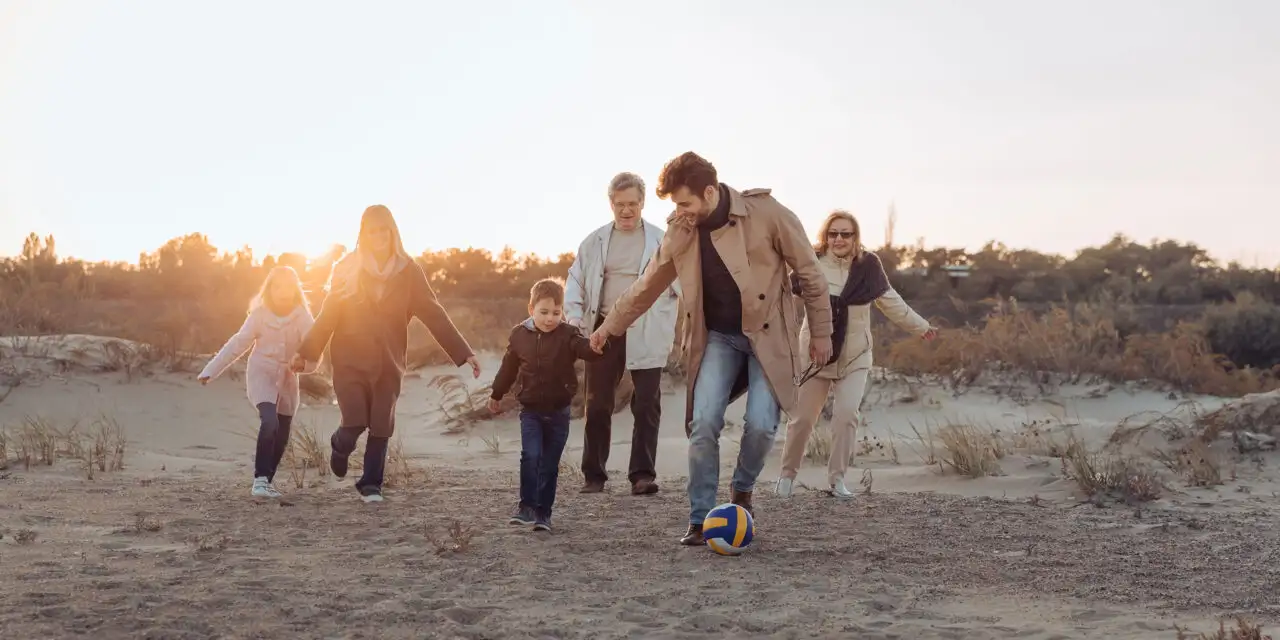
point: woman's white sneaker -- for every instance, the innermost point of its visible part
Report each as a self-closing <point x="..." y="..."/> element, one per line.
<point x="785" y="487"/>
<point x="839" y="490"/>
<point x="263" y="489"/>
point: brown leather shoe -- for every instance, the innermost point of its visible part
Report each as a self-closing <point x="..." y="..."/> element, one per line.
<point x="644" y="487"/>
<point x="592" y="487"/>
<point x="693" y="537"/>
<point x="743" y="499"/>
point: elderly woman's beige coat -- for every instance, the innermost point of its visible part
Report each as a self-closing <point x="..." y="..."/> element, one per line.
<point x="856" y="353"/>
<point x="762" y="243"/>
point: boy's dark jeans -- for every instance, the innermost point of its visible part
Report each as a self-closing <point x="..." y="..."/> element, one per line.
<point x="273" y="440"/>
<point x="542" y="439"/>
<point x="602" y="378"/>
<point x="343" y="443"/>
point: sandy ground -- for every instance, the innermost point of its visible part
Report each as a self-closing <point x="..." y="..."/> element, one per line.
<point x="174" y="547"/>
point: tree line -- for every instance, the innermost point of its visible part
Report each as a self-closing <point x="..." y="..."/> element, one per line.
<point x="1158" y="273"/>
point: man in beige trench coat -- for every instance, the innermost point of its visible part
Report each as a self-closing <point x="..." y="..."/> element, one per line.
<point x="730" y="251"/>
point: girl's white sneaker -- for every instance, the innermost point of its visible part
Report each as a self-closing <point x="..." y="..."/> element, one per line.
<point x="785" y="487"/>
<point x="839" y="490"/>
<point x="263" y="489"/>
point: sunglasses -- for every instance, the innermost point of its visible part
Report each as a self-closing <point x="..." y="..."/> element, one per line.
<point x="841" y="234"/>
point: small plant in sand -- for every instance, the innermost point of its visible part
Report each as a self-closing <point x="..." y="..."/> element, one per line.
<point x="109" y="443"/>
<point x="401" y="470"/>
<point x="144" y="523"/>
<point x="867" y="480"/>
<point x="1243" y="630"/>
<point x="570" y="471"/>
<point x="456" y="400"/>
<point x="315" y="386"/>
<point x="876" y="446"/>
<point x="970" y="450"/>
<point x="456" y="539"/>
<point x="925" y="448"/>
<point x="1103" y="475"/>
<point x="818" y="448"/>
<point x="492" y="443"/>
<point x="1196" y="463"/>
<point x="38" y="440"/>
<point x="25" y="536"/>
<point x="4" y="448"/>
<point x="210" y="542"/>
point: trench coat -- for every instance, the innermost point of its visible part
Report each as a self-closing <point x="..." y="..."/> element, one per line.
<point x="760" y="245"/>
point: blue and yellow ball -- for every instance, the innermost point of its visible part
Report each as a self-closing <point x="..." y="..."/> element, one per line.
<point x="728" y="529"/>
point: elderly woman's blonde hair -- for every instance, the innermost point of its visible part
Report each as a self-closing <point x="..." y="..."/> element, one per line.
<point x="821" y="246"/>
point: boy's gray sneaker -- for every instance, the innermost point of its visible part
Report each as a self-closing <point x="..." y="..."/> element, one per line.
<point x="542" y="523"/>
<point x="523" y="516"/>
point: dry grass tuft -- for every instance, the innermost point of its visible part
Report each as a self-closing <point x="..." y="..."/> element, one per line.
<point x="1108" y="475"/>
<point x="144" y="523"/>
<point x="1076" y="342"/>
<point x="456" y="539"/>
<point x="492" y="443"/>
<point x="1243" y="630"/>
<point x="211" y="542"/>
<point x="1196" y="463"/>
<point x="40" y="441"/>
<point x="316" y="386"/>
<point x="25" y="536"/>
<point x="818" y="448"/>
<point x="926" y="450"/>
<point x="571" y="471"/>
<point x="971" y="451"/>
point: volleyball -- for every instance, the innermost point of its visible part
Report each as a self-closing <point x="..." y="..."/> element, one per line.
<point x="728" y="529"/>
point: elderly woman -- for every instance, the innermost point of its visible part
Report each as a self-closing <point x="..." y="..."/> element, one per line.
<point x="373" y="294"/>
<point x="856" y="280"/>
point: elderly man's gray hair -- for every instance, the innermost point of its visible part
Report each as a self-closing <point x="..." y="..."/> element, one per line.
<point x="624" y="181"/>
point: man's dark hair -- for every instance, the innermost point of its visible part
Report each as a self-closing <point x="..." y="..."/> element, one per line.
<point x="547" y="288"/>
<point x="687" y="170"/>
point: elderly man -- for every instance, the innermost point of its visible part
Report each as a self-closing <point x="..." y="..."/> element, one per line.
<point x="731" y="252"/>
<point x="608" y="262"/>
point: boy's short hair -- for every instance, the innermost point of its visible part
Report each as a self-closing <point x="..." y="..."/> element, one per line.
<point x="547" y="288"/>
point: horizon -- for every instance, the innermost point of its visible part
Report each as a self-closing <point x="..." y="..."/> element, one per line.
<point x="126" y="125"/>
<point x="259" y="256"/>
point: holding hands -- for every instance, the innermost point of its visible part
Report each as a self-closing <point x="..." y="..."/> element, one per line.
<point x="598" y="340"/>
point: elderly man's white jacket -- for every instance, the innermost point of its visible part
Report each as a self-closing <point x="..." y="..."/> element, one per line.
<point x="650" y="339"/>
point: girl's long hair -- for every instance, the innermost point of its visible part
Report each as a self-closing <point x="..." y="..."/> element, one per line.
<point x="278" y="273"/>
<point x="839" y="214"/>
<point x="344" y="278"/>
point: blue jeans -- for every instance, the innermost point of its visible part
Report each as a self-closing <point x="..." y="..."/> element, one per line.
<point x="723" y="359"/>
<point x="542" y="439"/>
<point x="273" y="440"/>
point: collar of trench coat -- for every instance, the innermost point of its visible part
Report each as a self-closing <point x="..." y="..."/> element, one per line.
<point x="763" y="242"/>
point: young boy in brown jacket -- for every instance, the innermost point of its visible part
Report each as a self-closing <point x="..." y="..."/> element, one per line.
<point x="541" y="353"/>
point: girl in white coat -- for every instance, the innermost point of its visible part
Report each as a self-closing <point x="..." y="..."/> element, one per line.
<point x="278" y="319"/>
<point x="856" y="280"/>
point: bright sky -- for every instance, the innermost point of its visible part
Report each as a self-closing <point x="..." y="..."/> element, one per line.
<point x="274" y="124"/>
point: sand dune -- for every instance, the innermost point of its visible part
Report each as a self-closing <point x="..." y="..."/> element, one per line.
<point x="173" y="547"/>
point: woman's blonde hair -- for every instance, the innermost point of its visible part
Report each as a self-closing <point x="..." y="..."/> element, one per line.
<point x="278" y="273"/>
<point x="345" y="276"/>
<point x="839" y="214"/>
